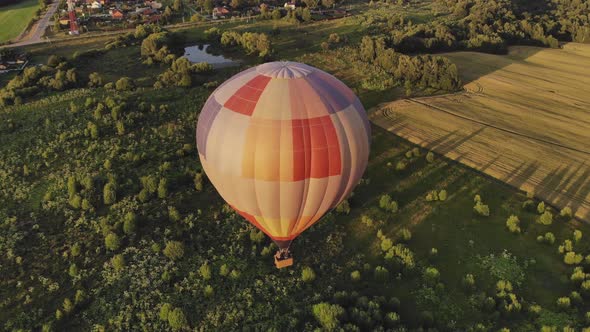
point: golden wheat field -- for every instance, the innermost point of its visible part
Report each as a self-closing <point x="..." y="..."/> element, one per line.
<point x="524" y="118"/>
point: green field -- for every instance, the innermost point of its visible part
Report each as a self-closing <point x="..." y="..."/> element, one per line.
<point x="98" y="191"/>
<point x="14" y="18"/>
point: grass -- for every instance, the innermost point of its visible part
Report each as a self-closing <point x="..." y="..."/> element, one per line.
<point x="522" y="120"/>
<point x="15" y="18"/>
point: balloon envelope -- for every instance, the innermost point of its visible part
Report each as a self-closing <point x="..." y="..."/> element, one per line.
<point x="283" y="143"/>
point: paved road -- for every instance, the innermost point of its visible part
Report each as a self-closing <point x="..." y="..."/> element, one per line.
<point x="35" y="36"/>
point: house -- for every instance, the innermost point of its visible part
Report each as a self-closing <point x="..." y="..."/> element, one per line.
<point x="290" y="5"/>
<point x="220" y="11"/>
<point x="117" y="14"/>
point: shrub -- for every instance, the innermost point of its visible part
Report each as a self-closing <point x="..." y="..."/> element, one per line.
<point x="177" y="320"/>
<point x="541" y="207"/>
<point x="469" y="282"/>
<point x="577" y="235"/>
<point x="381" y="273"/>
<point x="208" y="291"/>
<point x="442" y="195"/>
<point x="343" y="207"/>
<point x="223" y="270"/>
<point x="572" y="258"/>
<point x="112" y="241"/>
<point x="387" y="204"/>
<point x="546" y="218"/>
<point x="256" y="236"/>
<point x="118" y="262"/>
<point x="205" y="271"/>
<point x="431" y="275"/>
<point x="391" y="319"/>
<point x="124" y="84"/>
<point x="401" y="165"/>
<point x="355" y="275"/>
<point x="513" y="224"/>
<point x="430" y="157"/>
<point x="109" y="193"/>
<point x="566" y="213"/>
<point x="563" y="303"/>
<point x="163" y="188"/>
<point x="73" y="271"/>
<point x="307" y="274"/>
<point x="328" y="315"/>
<point x="129" y="223"/>
<point x="165" y="311"/>
<point x="405" y="234"/>
<point x="174" y="250"/>
<point x="549" y="238"/>
<point x="481" y="209"/>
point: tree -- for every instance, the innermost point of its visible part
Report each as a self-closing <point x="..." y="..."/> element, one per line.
<point x="430" y="157"/>
<point x="541" y="207"/>
<point x="68" y="306"/>
<point x="566" y="213"/>
<point x="355" y="275"/>
<point x="109" y="193"/>
<point x="481" y="209"/>
<point x="118" y="262"/>
<point x="431" y="275"/>
<point x="163" y="188"/>
<point x="546" y="218"/>
<point x="178" y="5"/>
<point x="563" y="303"/>
<point x="442" y="195"/>
<point x="513" y="224"/>
<point x="73" y="271"/>
<point x="205" y="271"/>
<point x="328" y="315"/>
<point x="381" y="273"/>
<point x="129" y="223"/>
<point x="577" y="235"/>
<point x="176" y="319"/>
<point x="307" y="274"/>
<point x="572" y="258"/>
<point x="112" y="241"/>
<point x="174" y="250"/>
<point x="276" y="14"/>
<point x="124" y="84"/>
<point x="306" y="15"/>
<point x="165" y="311"/>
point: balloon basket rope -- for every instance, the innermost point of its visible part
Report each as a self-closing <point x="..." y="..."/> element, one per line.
<point x="282" y="260"/>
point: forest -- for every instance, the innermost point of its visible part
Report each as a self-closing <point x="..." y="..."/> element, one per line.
<point x="108" y="222"/>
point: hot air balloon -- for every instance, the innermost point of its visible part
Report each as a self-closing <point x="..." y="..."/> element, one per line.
<point x="283" y="143"/>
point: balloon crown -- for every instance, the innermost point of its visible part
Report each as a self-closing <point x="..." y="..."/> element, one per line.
<point x="284" y="69"/>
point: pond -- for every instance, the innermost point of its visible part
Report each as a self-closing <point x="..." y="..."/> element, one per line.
<point x="205" y="53"/>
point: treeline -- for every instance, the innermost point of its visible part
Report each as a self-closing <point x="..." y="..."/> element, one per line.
<point x="489" y="26"/>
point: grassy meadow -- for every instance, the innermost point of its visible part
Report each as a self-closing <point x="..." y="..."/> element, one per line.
<point x="61" y="150"/>
<point x="523" y="119"/>
<point x="14" y="18"/>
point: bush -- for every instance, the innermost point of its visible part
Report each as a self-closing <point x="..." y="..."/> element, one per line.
<point x="174" y="250"/>
<point x="546" y="218"/>
<point x="431" y="275"/>
<point x="387" y="204"/>
<point x="343" y="207"/>
<point x="577" y="235"/>
<point x="566" y="213"/>
<point x="328" y="315"/>
<point x="208" y="291"/>
<point x="165" y="311"/>
<point x="442" y="195"/>
<point x="307" y="274"/>
<point x="177" y="320"/>
<point x="355" y="275"/>
<point x="129" y="223"/>
<point x="541" y="207"/>
<point x="124" y="84"/>
<point x="163" y="188"/>
<point x="549" y="238"/>
<point x="572" y="258"/>
<point x="205" y="271"/>
<point x="405" y="234"/>
<point x="112" y="241"/>
<point x="109" y="193"/>
<point x="513" y="224"/>
<point x="381" y="273"/>
<point x="430" y="157"/>
<point x="118" y="262"/>
<point x="481" y="209"/>
<point x="563" y="303"/>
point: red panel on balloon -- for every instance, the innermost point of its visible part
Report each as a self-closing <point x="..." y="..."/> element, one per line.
<point x="245" y="99"/>
<point x="316" y="153"/>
